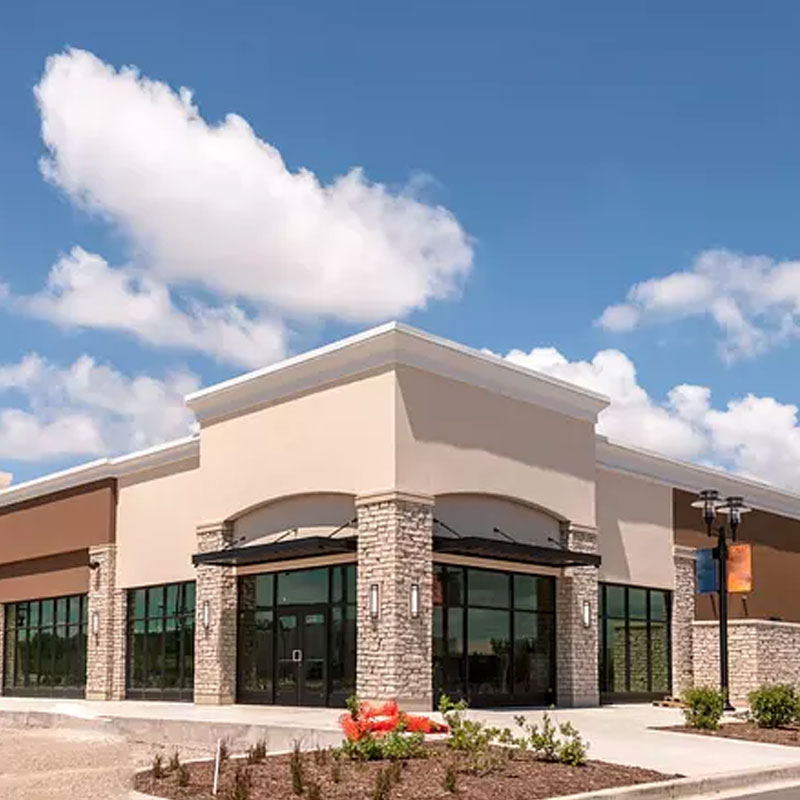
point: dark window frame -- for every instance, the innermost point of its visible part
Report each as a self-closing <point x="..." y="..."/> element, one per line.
<point x="549" y="696"/>
<point x="608" y="695"/>
<point x="185" y="622"/>
<point x="332" y="697"/>
<point x="36" y="632"/>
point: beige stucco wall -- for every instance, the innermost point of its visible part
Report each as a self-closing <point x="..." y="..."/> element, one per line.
<point x="156" y="525"/>
<point x="478" y="515"/>
<point x="337" y="439"/>
<point x="634" y="518"/>
<point x="452" y="437"/>
<point x="297" y="516"/>
<point x="301" y="461"/>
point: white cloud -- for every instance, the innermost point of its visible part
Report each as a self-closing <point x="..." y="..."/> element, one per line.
<point x="753" y="300"/>
<point x="758" y="437"/>
<point x="88" y="409"/>
<point x="83" y="290"/>
<point x="213" y="205"/>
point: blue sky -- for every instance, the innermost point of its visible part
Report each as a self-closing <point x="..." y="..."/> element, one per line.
<point x="579" y="148"/>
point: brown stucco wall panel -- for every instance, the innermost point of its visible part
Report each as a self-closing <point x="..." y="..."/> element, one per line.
<point x="64" y="522"/>
<point x="776" y="562"/>
<point x="52" y="576"/>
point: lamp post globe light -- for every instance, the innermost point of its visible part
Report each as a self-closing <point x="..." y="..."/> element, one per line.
<point x="710" y="503"/>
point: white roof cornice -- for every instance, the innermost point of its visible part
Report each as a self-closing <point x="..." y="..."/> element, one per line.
<point x="694" y="478"/>
<point x="101" y="469"/>
<point x="389" y="345"/>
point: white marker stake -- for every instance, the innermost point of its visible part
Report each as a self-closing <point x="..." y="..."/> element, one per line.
<point x="216" y="768"/>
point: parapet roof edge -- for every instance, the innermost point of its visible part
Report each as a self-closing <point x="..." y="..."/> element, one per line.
<point x="694" y="477"/>
<point x="392" y="342"/>
<point x="102" y="468"/>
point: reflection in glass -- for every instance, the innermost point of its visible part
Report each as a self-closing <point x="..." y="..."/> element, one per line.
<point x="160" y="642"/>
<point x="489" y="649"/>
<point x="302" y="587"/>
<point x="488" y="588"/>
<point x="42" y="657"/>
<point x="634" y="645"/>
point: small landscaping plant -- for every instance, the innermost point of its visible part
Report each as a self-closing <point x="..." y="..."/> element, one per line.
<point x="183" y="775"/>
<point x="257" y="752"/>
<point x="158" y="766"/>
<point x="242" y="784"/>
<point x="296" y="769"/>
<point x="174" y="762"/>
<point x="704" y="707"/>
<point x="774" y="705"/>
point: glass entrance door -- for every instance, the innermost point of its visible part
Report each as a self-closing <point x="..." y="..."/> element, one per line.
<point x="301" y="657"/>
<point x="296" y="636"/>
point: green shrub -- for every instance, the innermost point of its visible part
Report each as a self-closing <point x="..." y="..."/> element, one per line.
<point x="547" y="743"/>
<point x="774" y="705"/>
<point x="704" y="707"/>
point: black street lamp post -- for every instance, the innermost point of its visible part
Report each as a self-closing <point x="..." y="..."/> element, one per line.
<point x="709" y="501"/>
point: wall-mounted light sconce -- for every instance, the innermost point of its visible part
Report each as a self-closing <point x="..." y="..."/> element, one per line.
<point x="206" y="614"/>
<point x="95" y="624"/>
<point x="587" y="614"/>
<point x="93" y="565"/>
<point x="374" y="600"/>
<point x="415" y="600"/>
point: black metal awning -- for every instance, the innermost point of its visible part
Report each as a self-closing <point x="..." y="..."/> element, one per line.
<point x="304" y="547"/>
<point x="503" y="550"/>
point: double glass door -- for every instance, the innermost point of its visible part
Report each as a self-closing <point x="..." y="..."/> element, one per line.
<point x="297" y="637"/>
<point x="301" y="656"/>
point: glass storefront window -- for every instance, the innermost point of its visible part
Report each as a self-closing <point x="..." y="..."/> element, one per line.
<point x="45" y="650"/>
<point x="160" y="642"/>
<point x="634" y="656"/>
<point x="488" y="588"/>
<point x="303" y="586"/>
<point x="498" y="646"/>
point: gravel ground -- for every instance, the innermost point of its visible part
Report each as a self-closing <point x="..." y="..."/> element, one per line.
<point x="73" y="764"/>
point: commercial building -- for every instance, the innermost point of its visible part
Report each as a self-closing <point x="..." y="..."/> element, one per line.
<point x="393" y="514"/>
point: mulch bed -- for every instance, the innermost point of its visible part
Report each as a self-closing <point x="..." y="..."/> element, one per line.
<point x="522" y="778"/>
<point x="748" y="731"/>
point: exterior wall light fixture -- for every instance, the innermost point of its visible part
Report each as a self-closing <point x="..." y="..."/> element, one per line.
<point x="587" y="614"/>
<point x="95" y="624"/>
<point x="374" y="600"/>
<point x="206" y="614"/>
<point x="415" y="600"/>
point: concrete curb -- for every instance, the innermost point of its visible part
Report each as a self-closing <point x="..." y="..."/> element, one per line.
<point x="152" y="730"/>
<point x="708" y="786"/>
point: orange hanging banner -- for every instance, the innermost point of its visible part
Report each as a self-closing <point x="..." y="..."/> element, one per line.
<point x="740" y="568"/>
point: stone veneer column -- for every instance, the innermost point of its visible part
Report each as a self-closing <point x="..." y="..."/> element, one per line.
<point x="682" y="619"/>
<point x="576" y="645"/>
<point x="215" y="645"/>
<point x="105" y="644"/>
<point x="395" y="550"/>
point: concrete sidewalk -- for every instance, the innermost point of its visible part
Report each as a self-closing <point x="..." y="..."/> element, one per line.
<point x="621" y="734"/>
<point x="624" y="735"/>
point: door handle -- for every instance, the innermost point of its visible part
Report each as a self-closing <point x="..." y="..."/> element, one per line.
<point x="297" y="656"/>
